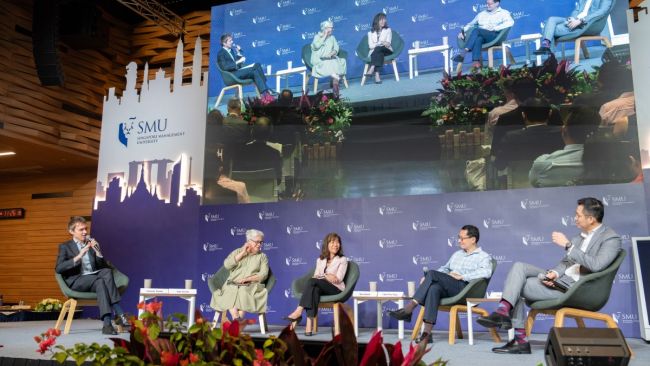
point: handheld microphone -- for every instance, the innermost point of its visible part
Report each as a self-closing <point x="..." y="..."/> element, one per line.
<point x="95" y="247"/>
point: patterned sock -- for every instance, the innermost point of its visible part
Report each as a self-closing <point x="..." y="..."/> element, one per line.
<point x="504" y="308"/>
<point x="520" y="336"/>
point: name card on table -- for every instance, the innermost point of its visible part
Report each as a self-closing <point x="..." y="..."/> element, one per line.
<point x="390" y="293"/>
<point x="154" y="290"/>
<point x="364" y="293"/>
<point x="182" y="291"/>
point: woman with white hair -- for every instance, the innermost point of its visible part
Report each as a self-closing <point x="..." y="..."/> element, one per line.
<point x="324" y="51"/>
<point x="244" y="291"/>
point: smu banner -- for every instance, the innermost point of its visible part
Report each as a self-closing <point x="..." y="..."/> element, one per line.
<point x="393" y="239"/>
<point x="274" y="32"/>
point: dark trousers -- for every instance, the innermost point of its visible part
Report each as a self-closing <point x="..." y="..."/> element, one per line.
<point x="312" y="292"/>
<point x="256" y="73"/>
<point x="377" y="57"/>
<point x="101" y="283"/>
<point x="436" y="285"/>
<point x="476" y="39"/>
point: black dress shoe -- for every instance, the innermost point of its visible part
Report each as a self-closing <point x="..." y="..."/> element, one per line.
<point x="543" y="51"/>
<point x="425" y="337"/>
<point x="309" y="334"/>
<point x="401" y="314"/>
<point x="514" y="348"/>
<point x="108" y="329"/>
<point x="495" y="320"/>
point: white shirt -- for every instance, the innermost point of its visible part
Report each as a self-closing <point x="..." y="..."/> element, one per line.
<point x="494" y="20"/>
<point x="574" y="270"/>
<point x="583" y="13"/>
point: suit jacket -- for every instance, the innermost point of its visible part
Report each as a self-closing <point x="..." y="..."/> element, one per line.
<point x="226" y="61"/>
<point x="597" y="10"/>
<point x="601" y="252"/>
<point x="70" y="270"/>
<point x="338" y="267"/>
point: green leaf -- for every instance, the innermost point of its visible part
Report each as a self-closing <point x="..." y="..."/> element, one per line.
<point x="60" y="357"/>
<point x="268" y="354"/>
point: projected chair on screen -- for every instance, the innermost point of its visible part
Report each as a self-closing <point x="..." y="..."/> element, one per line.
<point x="217" y="281"/>
<point x="583" y="300"/>
<point x="82" y="298"/>
<point x="490" y="47"/>
<point x="474" y="289"/>
<point x="363" y="52"/>
<point x="306" y="59"/>
<point x="336" y="302"/>
<point x="231" y="81"/>
<point x="260" y="184"/>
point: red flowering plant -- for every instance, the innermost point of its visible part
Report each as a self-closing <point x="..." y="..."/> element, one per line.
<point x="262" y="106"/>
<point x="327" y="117"/>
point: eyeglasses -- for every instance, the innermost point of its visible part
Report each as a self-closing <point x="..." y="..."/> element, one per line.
<point x="461" y="238"/>
<point x="257" y="241"/>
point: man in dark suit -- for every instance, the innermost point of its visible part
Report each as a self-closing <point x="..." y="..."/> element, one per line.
<point x="84" y="269"/>
<point x="536" y="138"/>
<point x="592" y="251"/>
<point x="230" y="59"/>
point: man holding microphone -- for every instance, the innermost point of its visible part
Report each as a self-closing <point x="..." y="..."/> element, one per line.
<point x="84" y="269"/>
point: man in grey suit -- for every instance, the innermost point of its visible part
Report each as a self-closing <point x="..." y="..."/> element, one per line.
<point x="592" y="251"/>
<point x="585" y="13"/>
<point x="83" y="268"/>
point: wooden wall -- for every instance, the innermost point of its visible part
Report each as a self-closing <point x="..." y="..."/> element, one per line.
<point x="28" y="247"/>
<point x="69" y="116"/>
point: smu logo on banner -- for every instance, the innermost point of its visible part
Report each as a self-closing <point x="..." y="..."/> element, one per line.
<point x="519" y="15"/>
<point x="423" y="17"/>
<point x="308" y="35"/>
<point x="389" y="243"/>
<point x="625" y="318"/>
<point x="568" y="220"/>
<point x="295" y="230"/>
<point x="422" y="225"/>
<point x="206" y="276"/>
<point x="323" y="213"/>
<point x="420" y="260"/>
<point x="283" y="51"/>
<point x="501" y="259"/>
<point x="452" y="240"/>
<point x="285" y="3"/>
<point x="236" y="12"/>
<point x="358" y="260"/>
<point x="284" y="27"/>
<point x="362" y="27"/>
<point x="260" y="43"/>
<point x="625" y="277"/>
<point x="310" y="11"/>
<point x="446" y="2"/>
<point x="267" y="215"/>
<point x="492" y="223"/>
<point x="356" y="228"/>
<point x="147" y="132"/>
<point x="260" y="19"/>
<point x="389" y="277"/>
<point x="479" y="7"/>
<point x="237" y="231"/>
<point x="205" y="308"/>
<point x="363" y="2"/>
<point x="388" y="210"/>
<point x="337" y="18"/>
<point x="212" y="217"/>
<point x="288" y="293"/>
<point x="391" y="9"/>
<point x="612" y="200"/>
<point x="124" y="133"/>
<point x="211" y="247"/>
<point x="451" y="26"/>
<point x="294" y="261"/>
<point x="530" y="239"/>
<point x="458" y="207"/>
<point x="532" y="204"/>
<point x="269" y="245"/>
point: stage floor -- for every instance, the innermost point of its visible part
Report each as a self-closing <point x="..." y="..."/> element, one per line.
<point x="16" y="341"/>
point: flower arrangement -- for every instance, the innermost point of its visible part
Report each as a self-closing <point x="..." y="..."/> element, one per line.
<point x="465" y="100"/>
<point x="202" y="345"/>
<point x="327" y="117"/>
<point x="49" y="305"/>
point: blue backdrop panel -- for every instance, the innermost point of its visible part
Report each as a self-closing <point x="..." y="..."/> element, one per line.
<point x="273" y="33"/>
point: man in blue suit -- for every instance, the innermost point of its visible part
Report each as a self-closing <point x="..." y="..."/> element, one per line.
<point x="585" y="13"/>
<point x="230" y="59"/>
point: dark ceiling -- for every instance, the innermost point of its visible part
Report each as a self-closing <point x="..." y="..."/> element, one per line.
<point x="180" y="7"/>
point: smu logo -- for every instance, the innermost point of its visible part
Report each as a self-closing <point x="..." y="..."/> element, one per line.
<point x="625" y="277"/>
<point x="568" y="220"/>
<point x="362" y="27"/>
<point x="284" y="27"/>
<point x="260" y="19"/>
<point x="269" y="245"/>
<point x="358" y="260"/>
<point x="295" y="230"/>
<point x="308" y="35"/>
<point x="479" y="7"/>
<point x="283" y="51"/>
<point x="501" y="259"/>
<point x="288" y="293"/>
<point x="210" y="217"/>
<point x="285" y="3"/>
<point x="519" y="15"/>
<point x="363" y="2"/>
<point x="391" y="9"/>
<point x="323" y="213"/>
<point x="420" y="17"/>
<point x="205" y="308"/>
<point x="388" y="210"/>
<point x="237" y="231"/>
<point x="310" y="11"/>
<point x="206" y="276"/>
<point x="422" y="226"/>
<point x="530" y="239"/>
<point x="124" y="132"/>
<point x="612" y="200"/>
<point x="356" y="228"/>
<point x="532" y="204"/>
<point x="337" y="18"/>
<point x="420" y="260"/>
<point x="450" y="26"/>
<point x="260" y="43"/>
<point x="267" y="215"/>
<point x="491" y="223"/>
<point x="457" y="207"/>
<point x="388" y="277"/>
<point x="319" y="244"/>
<point x="452" y="240"/>
<point x="389" y="243"/>
<point x="294" y="261"/>
<point x="445" y="2"/>
<point x="211" y="247"/>
<point x="625" y="318"/>
<point x="236" y="12"/>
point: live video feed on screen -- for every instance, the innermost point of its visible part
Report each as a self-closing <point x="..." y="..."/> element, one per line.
<point x="383" y="114"/>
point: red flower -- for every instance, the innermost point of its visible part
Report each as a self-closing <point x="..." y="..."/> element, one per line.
<point x="151" y="307"/>
<point x="330" y="120"/>
<point x="324" y="98"/>
<point x="169" y="358"/>
<point x="194" y="358"/>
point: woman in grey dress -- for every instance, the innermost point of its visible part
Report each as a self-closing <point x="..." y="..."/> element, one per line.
<point x="324" y="51"/>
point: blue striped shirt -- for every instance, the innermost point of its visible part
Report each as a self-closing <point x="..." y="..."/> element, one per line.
<point x="494" y="20"/>
<point x="471" y="266"/>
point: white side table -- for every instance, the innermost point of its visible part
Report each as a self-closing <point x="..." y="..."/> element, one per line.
<point x="525" y="39"/>
<point x="413" y="57"/>
<point x="359" y="299"/>
<point x="187" y="294"/>
<point x="286" y="73"/>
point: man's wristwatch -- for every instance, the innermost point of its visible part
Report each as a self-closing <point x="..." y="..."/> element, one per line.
<point x="568" y="246"/>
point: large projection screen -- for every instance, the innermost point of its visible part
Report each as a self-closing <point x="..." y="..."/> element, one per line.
<point x="641" y="257"/>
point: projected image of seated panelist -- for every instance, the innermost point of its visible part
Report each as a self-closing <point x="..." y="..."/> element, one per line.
<point x="324" y="55"/>
<point x="231" y="59"/>
<point x="380" y="45"/>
